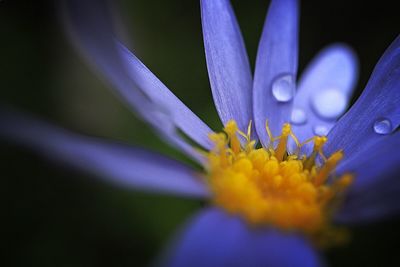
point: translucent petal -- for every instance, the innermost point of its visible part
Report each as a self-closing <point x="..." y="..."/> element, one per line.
<point x="325" y="89"/>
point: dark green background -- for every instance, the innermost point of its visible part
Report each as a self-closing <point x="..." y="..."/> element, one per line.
<point x="57" y="217"/>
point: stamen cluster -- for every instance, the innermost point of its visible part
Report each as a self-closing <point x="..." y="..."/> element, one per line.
<point x="269" y="186"/>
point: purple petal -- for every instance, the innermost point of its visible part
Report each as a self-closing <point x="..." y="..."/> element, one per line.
<point x="276" y="67"/>
<point x="378" y="105"/>
<point x="182" y="116"/>
<point x="376" y="190"/>
<point x="227" y="62"/>
<point x="89" y="23"/>
<point x="324" y="90"/>
<point x="116" y="163"/>
<point x="213" y="238"/>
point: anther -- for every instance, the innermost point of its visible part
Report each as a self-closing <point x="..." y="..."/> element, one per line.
<point x="231" y="129"/>
<point x="220" y="147"/>
<point x="319" y="142"/>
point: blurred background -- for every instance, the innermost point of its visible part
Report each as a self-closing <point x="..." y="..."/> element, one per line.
<point x="58" y="217"/>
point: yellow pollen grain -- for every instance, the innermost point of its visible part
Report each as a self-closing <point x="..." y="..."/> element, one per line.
<point x="267" y="186"/>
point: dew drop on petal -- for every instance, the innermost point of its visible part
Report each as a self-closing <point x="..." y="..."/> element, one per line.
<point x="383" y="126"/>
<point x="298" y="116"/>
<point x="330" y="103"/>
<point x="321" y="130"/>
<point x="283" y="88"/>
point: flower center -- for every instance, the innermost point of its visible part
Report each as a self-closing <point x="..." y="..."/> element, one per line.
<point x="269" y="186"/>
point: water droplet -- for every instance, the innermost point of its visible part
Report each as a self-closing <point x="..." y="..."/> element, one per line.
<point x="321" y="130"/>
<point x="383" y="126"/>
<point x="298" y="116"/>
<point x="283" y="88"/>
<point x="329" y="103"/>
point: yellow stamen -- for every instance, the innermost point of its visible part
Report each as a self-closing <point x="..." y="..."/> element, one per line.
<point x="269" y="186"/>
<point x="329" y="166"/>
<point x="271" y="138"/>
<point x="281" y="149"/>
<point x="231" y="129"/>
<point x="319" y="142"/>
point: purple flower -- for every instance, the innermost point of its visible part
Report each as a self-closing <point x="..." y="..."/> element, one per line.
<point x="271" y="204"/>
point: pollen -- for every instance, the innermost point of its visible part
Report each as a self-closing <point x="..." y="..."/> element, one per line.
<point x="269" y="185"/>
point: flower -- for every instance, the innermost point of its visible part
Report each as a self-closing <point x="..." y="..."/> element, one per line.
<point x="272" y="202"/>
